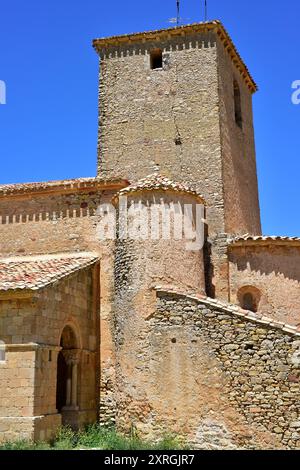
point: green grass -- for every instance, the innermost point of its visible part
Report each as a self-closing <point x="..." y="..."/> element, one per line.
<point x="95" y="436"/>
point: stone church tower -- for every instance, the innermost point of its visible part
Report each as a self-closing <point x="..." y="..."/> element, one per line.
<point x="146" y="334"/>
<point x="180" y="100"/>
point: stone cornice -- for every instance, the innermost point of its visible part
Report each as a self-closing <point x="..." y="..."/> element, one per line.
<point x="30" y="347"/>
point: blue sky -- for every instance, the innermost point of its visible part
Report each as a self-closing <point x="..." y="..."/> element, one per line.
<point x="48" y="128"/>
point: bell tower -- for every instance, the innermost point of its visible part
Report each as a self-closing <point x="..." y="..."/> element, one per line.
<point x="180" y="100"/>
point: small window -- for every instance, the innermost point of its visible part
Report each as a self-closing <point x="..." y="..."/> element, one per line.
<point x="237" y="104"/>
<point x="50" y="356"/>
<point x="2" y="351"/>
<point x="156" y="60"/>
<point x="249" y="298"/>
<point x="249" y="302"/>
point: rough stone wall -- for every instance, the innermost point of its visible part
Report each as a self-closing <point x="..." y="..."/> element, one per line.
<point x="216" y="266"/>
<point x="139" y="265"/>
<point x="239" y="174"/>
<point x="189" y="101"/>
<point x="140" y="123"/>
<point x="274" y="270"/>
<point x="45" y="377"/>
<point x="221" y="381"/>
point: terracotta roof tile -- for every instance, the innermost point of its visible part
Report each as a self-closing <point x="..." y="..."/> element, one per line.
<point x="35" y="272"/>
<point x="156" y="181"/>
<point x="252" y="239"/>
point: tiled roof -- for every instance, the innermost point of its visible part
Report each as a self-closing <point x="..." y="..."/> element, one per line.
<point x="263" y="240"/>
<point x="162" y="34"/>
<point x="36" y="272"/>
<point x="72" y="184"/>
<point x="158" y="182"/>
<point x="232" y="309"/>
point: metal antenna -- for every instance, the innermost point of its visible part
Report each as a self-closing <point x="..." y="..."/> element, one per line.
<point x="178" y="12"/>
<point x="177" y="19"/>
<point x="205" y="11"/>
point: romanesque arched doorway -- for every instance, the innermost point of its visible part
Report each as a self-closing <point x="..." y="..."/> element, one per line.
<point x="67" y="388"/>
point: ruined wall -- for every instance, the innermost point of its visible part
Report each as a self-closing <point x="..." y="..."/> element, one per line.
<point x="220" y="380"/>
<point x="274" y="270"/>
<point x="239" y="174"/>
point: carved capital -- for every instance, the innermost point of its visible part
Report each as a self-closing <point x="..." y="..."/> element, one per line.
<point x="72" y="356"/>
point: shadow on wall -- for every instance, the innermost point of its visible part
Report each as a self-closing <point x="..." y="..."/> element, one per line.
<point x="280" y="261"/>
<point x="208" y="267"/>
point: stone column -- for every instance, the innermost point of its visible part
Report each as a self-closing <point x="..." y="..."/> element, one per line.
<point x="69" y="385"/>
<point x="74" y="383"/>
<point x="72" y="357"/>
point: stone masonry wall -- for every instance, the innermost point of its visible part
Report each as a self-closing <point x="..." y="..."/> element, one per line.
<point x="239" y="174"/>
<point x="140" y="264"/>
<point x="166" y="118"/>
<point x="181" y="120"/>
<point x="31" y="329"/>
<point x="207" y="372"/>
<point x="17" y="381"/>
<point x="274" y="271"/>
<point x="54" y="223"/>
<point x="41" y="318"/>
<point x="50" y="223"/>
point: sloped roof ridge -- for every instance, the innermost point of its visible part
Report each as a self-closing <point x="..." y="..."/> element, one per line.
<point x="261" y="238"/>
<point x="36" y="272"/>
<point x="232" y="309"/>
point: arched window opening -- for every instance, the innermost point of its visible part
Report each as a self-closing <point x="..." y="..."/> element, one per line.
<point x="67" y="371"/>
<point x="237" y="104"/>
<point x="249" y="298"/>
<point x="2" y="351"/>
